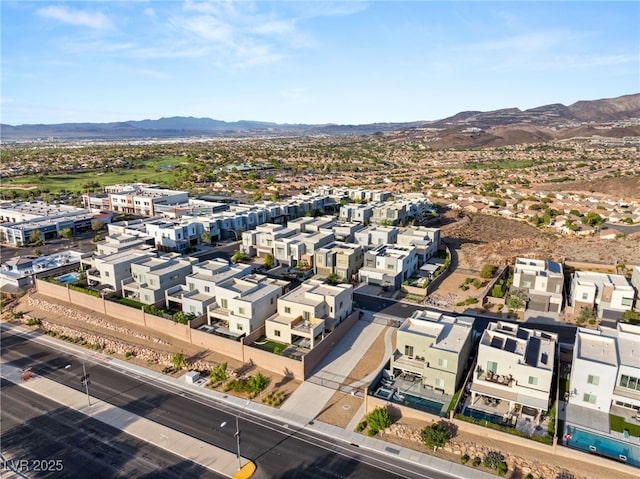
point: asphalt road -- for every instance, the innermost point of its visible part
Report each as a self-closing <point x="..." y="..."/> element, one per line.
<point x="278" y="450"/>
<point x="41" y="438"/>
<point x="566" y="332"/>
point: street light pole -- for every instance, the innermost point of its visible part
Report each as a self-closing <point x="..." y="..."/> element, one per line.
<point x="237" y="434"/>
<point x="85" y="382"/>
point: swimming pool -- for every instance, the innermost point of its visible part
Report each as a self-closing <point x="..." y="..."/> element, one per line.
<point x="422" y="404"/>
<point x="68" y="278"/>
<point x="603" y="446"/>
<point x="484" y="416"/>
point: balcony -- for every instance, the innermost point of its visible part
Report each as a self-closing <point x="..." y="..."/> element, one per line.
<point x="491" y="377"/>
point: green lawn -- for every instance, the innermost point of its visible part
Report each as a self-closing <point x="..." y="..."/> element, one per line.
<point x="268" y="345"/>
<point x="147" y="172"/>
<point x="619" y="424"/>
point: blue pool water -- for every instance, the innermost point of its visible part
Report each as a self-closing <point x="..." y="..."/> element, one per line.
<point x="484" y="416"/>
<point x="68" y="278"/>
<point x="604" y="446"/>
<point x="422" y="404"/>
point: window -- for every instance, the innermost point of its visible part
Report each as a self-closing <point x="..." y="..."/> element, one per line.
<point x="442" y="363"/>
<point x="624" y="381"/>
<point x="207" y="289"/>
<point x="492" y="366"/>
<point x="626" y="302"/>
<point x="192" y="309"/>
<point x="287" y="310"/>
<point x="533" y="381"/>
<point x="590" y="398"/>
<point x="585" y="295"/>
<point x="191" y="286"/>
<point x="439" y="382"/>
<point x="276" y="333"/>
<point x="271" y="300"/>
<point x="223" y="303"/>
<point x="106" y="274"/>
<point x="595" y="380"/>
<point x="241" y="311"/>
<point x="306" y="315"/>
<point x="239" y="327"/>
<point x="408" y="350"/>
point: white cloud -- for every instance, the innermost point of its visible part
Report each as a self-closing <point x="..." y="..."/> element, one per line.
<point x="84" y="18"/>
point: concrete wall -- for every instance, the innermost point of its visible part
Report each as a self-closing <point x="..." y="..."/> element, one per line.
<point x="422" y="292"/>
<point x="318" y="353"/>
<point x="233" y="349"/>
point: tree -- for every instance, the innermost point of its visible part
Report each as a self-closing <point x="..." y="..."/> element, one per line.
<point x="97" y="225"/>
<point x="516" y="300"/>
<point x="487" y="271"/>
<point x="269" y="261"/>
<point x="219" y="372"/>
<point x="333" y="278"/>
<point x="379" y="419"/>
<point x="179" y="361"/>
<point x="257" y="383"/>
<point x="205" y="237"/>
<point x="435" y="435"/>
<point x="585" y="314"/>
<point x="66" y="233"/>
<point x="239" y="256"/>
<point x="592" y="219"/>
<point x="35" y="237"/>
<point x="632" y="317"/>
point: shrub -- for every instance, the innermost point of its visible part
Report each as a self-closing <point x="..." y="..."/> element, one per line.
<point x="128" y="355"/>
<point x="495" y="460"/>
<point x="435" y="435"/>
<point x="219" y="372"/>
<point x="476" y="461"/>
<point x="477" y="283"/>
<point x="33" y="322"/>
<point x="257" y="383"/>
<point x="487" y="271"/>
<point x="379" y="419"/>
<point x="464" y="459"/>
<point x="361" y="426"/>
<point x="497" y="292"/>
<point x="371" y="432"/>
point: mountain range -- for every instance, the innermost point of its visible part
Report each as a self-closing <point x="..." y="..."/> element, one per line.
<point x="613" y="117"/>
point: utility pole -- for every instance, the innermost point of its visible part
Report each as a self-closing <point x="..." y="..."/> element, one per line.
<point x="85" y="382"/>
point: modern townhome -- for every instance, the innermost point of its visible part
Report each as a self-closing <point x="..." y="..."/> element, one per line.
<point x="635" y="282"/>
<point x="150" y="278"/>
<point x="304" y="314"/>
<point x="117" y="243"/>
<point x="176" y="235"/>
<point x="107" y="272"/>
<point x="542" y="281"/>
<point x="609" y="295"/>
<point x="435" y="348"/>
<point x="243" y="304"/>
<point x="308" y="224"/>
<point x="199" y="289"/>
<point x="515" y="366"/>
<point x="389" y="265"/>
<point x="605" y="377"/>
<point x="425" y="240"/>
<point x="301" y="247"/>
<point x="260" y="242"/>
<point x="376" y="235"/>
<point x="390" y="213"/>
<point x="357" y="213"/>
<point x="341" y="259"/>
<point x="345" y="231"/>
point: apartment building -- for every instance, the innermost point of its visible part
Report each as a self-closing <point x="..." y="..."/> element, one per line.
<point x="342" y="259"/>
<point x="243" y="304"/>
<point x="389" y="265"/>
<point x="117" y="243"/>
<point x="152" y="277"/>
<point x="308" y="224"/>
<point x="435" y="348"/>
<point x="515" y="365"/>
<point x="174" y="235"/>
<point x="609" y="295"/>
<point x="305" y="313"/>
<point x="345" y="231"/>
<point x="542" y="281"/>
<point x="141" y="199"/>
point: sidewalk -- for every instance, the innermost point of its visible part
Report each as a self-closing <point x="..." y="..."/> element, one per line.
<point x="290" y="418"/>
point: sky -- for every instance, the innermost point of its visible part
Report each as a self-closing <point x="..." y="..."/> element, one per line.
<point x="345" y="62"/>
